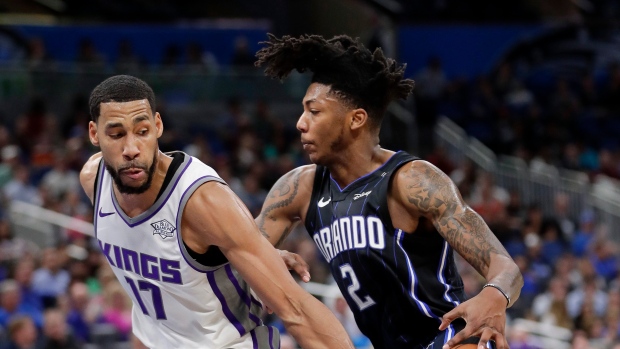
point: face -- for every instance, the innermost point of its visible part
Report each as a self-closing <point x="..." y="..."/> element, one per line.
<point x="127" y="134"/>
<point x="322" y="124"/>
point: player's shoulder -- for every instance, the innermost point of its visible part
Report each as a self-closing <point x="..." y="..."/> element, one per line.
<point x="419" y="175"/>
<point x="88" y="174"/>
<point x="90" y="168"/>
<point x="303" y="174"/>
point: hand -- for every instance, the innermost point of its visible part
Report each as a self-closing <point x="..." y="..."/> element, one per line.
<point x="485" y="315"/>
<point x="294" y="262"/>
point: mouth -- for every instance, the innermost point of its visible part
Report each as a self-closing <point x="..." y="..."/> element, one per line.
<point x="133" y="173"/>
<point x="306" y="144"/>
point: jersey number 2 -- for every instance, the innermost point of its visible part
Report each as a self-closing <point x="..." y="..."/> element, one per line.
<point x="158" y="303"/>
<point x="346" y="269"/>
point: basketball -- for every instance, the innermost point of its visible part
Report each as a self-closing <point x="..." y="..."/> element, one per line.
<point x="466" y="346"/>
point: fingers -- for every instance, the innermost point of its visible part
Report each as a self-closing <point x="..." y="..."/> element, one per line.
<point x="458" y="338"/>
<point x="500" y="341"/>
<point x="449" y="317"/>
<point x="301" y="268"/>
<point x="485" y="336"/>
<point x="294" y="262"/>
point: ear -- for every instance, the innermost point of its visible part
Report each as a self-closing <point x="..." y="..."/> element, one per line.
<point x="359" y="118"/>
<point x="159" y="124"/>
<point x="92" y="133"/>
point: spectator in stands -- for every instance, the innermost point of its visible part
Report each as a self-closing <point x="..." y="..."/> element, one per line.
<point x="561" y="215"/>
<point x="13" y="248"/>
<point x="60" y="179"/>
<point x="32" y="125"/>
<point x="55" y="332"/>
<point x="20" y="188"/>
<point x="604" y="257"/>
<point x="489" y="200"/>
<point x="550" y="307"/>
<point x="88" y="56"/>
<point x="242" y="56"/>
<point x="22" y="334"/>
<point x="126" y="61"/>
<point x="431" y="83"/>
<point x="38" y="57"/>
<point x="23" y="276"/>
<point x="585" y="234"/>
<point x="519" y="338"/>
<point x="11" y="305"/>
<point x="10" y="155"/>
<point x="553" y="245"/>
<point x="50" y="280"/>
<point x="586" y="301"/>
<point x="81" y="314"/>
<point x="117" y="309"/>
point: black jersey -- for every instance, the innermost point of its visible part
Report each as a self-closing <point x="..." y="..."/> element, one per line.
<point x="398" y="285"/>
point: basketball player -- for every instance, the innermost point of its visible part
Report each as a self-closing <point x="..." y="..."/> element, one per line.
<point x="180" y="242"/>
<point x="387" y="222"/>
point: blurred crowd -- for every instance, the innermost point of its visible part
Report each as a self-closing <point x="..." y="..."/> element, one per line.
<point x="64" y="294"/>
<point x="567" y="123"/>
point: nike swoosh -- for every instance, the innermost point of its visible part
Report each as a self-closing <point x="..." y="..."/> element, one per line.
<point x="102" y="214"/>
<point x="323" y="203"/>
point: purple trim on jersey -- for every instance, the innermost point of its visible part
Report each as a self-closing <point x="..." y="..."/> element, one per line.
<point x="270" y="336"/>
<point x="244" y="296"/>
<point x="100" y="184"/>
<point x="229" y="315"/>
<point x="254" y="340"/>
<point x="163" y="202"/>
<point x="441" y="277"/>
<point x="362" y="177"/>
<point x="413" y="281"/>
<point x="179" y="238"/>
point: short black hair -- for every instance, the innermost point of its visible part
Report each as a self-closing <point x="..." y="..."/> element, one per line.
<point x="119" y="88"/>
<point x="362" y="79"/>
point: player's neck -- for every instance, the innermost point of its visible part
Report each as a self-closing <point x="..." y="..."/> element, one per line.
<point x="135" y="204"/>
<point x="357" y="162"/>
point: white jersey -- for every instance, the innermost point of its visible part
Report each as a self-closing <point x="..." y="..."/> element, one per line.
<point x="177" y="302"/>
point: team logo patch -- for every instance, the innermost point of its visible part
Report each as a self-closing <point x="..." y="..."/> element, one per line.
<point x="164" y="228"/>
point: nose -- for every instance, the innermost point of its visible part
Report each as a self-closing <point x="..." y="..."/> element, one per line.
<point x="302" y="124"/>
<point x="130" y="149"/>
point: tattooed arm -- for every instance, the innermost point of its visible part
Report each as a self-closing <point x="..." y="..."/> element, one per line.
<point x="286" y="204"/>
<point x="426" y="191"/>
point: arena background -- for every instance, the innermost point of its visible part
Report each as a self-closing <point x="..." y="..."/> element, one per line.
<point x="518" y="101"/>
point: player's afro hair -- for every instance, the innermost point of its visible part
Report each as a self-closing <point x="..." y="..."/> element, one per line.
<point x="363" y="79"/>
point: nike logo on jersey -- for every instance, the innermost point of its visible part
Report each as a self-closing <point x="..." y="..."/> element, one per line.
<point x="103" y="214"/>
<point x="324" y="203"/>
<point x="361" y="195"/>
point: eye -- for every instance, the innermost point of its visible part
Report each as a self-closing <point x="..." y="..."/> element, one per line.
<point x="143" y="132"/>
<point x="314" y="111"/>
<point x="115" y="135"/>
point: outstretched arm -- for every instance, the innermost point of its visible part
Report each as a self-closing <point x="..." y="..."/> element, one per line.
<point x="428" y="192"/>
<point x="207" y="221"/>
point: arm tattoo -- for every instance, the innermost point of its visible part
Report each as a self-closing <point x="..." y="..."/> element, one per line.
<point x="283" y="187"/>
<point x="432" y="193"/>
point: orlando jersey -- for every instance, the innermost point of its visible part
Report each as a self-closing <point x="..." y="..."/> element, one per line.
<point x="177" y="302"/>
<point x="398" y="285"/>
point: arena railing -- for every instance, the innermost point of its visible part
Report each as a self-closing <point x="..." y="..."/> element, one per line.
<point x="539" y="184"/>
